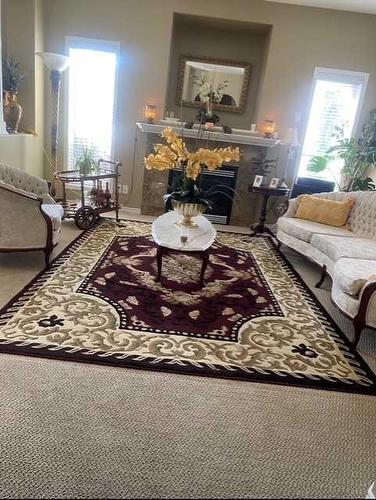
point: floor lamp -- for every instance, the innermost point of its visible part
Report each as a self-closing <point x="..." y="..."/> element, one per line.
<point x="57" y="64"/>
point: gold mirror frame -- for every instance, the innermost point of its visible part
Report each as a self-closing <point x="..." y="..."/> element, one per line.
<point x="223" y="62"/>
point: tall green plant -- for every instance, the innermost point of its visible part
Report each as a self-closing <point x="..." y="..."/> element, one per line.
<point x="86" y="163"/>
<point x="358" y="157"/>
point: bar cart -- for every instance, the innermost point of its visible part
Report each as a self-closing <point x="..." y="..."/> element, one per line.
<point x="96" y="198"/>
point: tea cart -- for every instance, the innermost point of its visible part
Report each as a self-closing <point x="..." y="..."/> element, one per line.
<point x="98" y="200"/>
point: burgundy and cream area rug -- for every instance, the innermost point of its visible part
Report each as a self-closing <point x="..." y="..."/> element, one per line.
<point x="254" y="319"/>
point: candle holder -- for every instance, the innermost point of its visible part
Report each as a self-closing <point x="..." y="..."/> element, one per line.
<point x="150" y="113"/>
<point x="269" y="129"/>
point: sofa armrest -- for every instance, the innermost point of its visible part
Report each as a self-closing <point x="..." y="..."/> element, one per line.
<point x="367" y="307"/>
<point x="47" y="198"/>
<point x="23" y="224"/>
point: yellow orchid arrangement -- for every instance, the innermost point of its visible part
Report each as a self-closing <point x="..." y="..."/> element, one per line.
<point x="175" y="155"/>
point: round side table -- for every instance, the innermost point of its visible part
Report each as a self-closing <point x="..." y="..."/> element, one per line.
<point x="259" y="227"/>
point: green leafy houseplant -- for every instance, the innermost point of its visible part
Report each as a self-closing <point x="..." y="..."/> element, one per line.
<point x="86" y="163"/>
<point x="358" y="157"/>
<point x="261" y="164"/>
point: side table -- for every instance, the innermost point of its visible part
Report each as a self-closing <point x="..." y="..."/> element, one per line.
<point x="259" y="227"/>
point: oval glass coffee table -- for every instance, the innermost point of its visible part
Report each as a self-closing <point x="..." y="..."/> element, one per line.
<point x="172" y="237"/>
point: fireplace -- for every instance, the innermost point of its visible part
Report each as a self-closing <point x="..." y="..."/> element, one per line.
<point x="225" y="179"/>
<point x="235" y="175"/>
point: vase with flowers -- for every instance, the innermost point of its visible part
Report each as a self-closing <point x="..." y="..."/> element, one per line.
<point x="189" y="199"/>
<point x="208" y="96"/>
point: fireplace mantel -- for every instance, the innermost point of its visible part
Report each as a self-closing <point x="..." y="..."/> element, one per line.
<point x="249" y="140"/>
<point x="246" y="206"/>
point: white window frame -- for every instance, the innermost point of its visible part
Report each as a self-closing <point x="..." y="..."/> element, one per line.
<point x="332" y="75"/>
<point x="91" y="44"/>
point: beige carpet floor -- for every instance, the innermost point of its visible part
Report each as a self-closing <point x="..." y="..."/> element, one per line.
<point x="69" y="430"/>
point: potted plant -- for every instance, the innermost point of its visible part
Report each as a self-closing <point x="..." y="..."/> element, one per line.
<point x="86" y="163"/>
<point x="261" y="164"/>
<point x="12" y="78"/>
<point x="188" y="199"/>
<point x="358" y="157"/>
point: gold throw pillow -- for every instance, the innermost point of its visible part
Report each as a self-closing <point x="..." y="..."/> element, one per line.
<point x="330" y="212"/>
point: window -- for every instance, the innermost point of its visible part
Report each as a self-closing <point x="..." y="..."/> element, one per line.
<point x="91" y="97"/>
<point x="336" y="101"/>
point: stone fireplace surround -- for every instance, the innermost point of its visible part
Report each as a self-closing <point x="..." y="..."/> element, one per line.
<point x="246" y="205"/>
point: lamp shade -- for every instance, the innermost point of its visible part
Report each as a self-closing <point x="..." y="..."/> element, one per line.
<point x="54" y="62"/>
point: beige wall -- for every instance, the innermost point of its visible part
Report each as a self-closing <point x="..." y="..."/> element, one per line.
<point x="302" y="38"/>
<point x="22" y="36"/>
<point x="240" y="42"/>
<point x="18" y="41"/>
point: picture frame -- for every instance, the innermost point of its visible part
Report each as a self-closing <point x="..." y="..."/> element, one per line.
<point x="274" y="183"/>
<point x="235" y="75"/>
<point x="257" y="182"/>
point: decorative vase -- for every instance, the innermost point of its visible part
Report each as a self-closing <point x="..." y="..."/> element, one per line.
<point x="12" y="112"/>
<point x="187" y="211"/>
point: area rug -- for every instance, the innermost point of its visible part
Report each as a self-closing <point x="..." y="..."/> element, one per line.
<point x="254" y="319"/>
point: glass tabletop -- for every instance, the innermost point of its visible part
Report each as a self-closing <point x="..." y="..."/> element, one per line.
<point x="75" y="176"/>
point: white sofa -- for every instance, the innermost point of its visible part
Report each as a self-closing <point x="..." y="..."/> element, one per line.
<point x="29" y="218"/>
<point x="347" y="255"/>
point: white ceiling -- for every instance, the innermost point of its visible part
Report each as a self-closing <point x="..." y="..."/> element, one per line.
<point x="366" y="6"/>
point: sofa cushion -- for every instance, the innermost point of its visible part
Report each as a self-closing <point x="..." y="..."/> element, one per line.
<point x="330" y="212"/>
<point x="55" y="213"/>
<point x="350" y="275"/>
<point x="337" y="247"/>
<point x="304" y="229"/>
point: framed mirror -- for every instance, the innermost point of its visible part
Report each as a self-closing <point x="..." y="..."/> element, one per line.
<point x="224" y="82"/>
